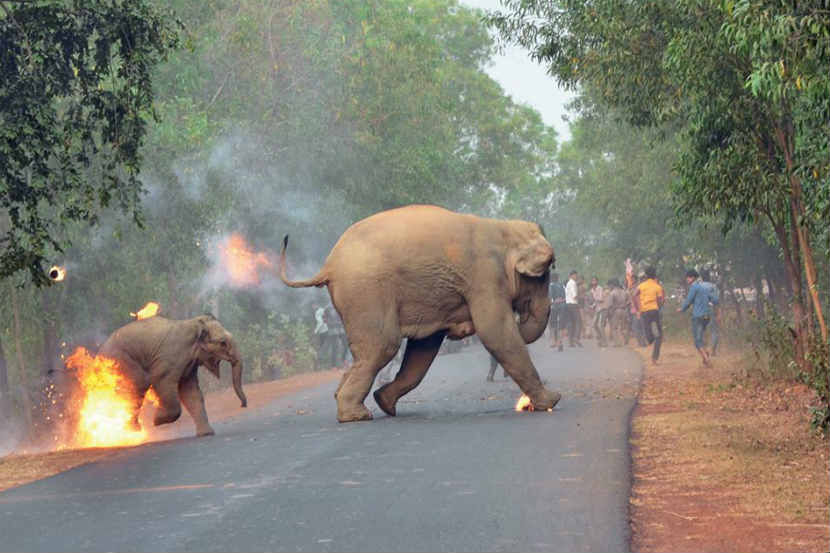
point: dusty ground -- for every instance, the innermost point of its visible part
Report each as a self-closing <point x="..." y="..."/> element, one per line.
<point x="722" y="463"/>
<point x="18" y="469"/>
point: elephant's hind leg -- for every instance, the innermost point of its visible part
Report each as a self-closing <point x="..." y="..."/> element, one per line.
<point x="194" y="402"/>
<point x="416" y="362"/>
<point x="169" y="409"/>
<point x="369" y="357"/>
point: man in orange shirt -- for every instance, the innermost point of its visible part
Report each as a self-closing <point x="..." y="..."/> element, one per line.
<point x="649" y="297"/>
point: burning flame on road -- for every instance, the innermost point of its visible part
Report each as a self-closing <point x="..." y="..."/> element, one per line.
<point x="149" y="310"/>
<point x="57" y="273"/>
<point x="241" y="262"/>
<point x="524" y="404"/>
<point x="106" y="408"/>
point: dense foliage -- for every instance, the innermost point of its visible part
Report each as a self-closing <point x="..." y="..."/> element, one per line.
<point x="75" y="97"/>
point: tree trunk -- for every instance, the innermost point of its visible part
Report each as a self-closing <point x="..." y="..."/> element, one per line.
<point x="51" y="350"/>
<point x="21" y="366"/>
<point x="4" y="384"/>
<point x="738" y="313"/>
<point x="793" y="265"/>
<point x="802" y="241"/>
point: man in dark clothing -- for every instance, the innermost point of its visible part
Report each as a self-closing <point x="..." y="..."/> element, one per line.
<point x="558" y="312"/>
<point x="620" y="305"/>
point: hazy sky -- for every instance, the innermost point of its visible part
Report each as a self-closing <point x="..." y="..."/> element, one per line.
<point x="526" y="81"/>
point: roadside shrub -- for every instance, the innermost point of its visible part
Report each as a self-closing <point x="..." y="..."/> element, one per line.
<point x="819" y="380"/>
<point x="280" y="347"/>
<point x="772" y="348"/>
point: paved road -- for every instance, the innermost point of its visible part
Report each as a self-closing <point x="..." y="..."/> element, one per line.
<point x="457" y="470"/>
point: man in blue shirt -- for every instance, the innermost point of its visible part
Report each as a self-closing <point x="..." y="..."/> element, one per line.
<point x="701" y="300"/>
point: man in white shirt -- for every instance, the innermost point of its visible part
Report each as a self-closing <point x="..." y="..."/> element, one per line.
<point x="574" y="316"/>
<point x="321" y="335"/>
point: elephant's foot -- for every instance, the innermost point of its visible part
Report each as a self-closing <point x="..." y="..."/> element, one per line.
<point x="385" y="400"/>
<point x="205" y="431"/>
<point x="545" y="400"/>
<point x="134" y="425"/>
<point x="353" y="413"/>
<point x="165" y="417"/>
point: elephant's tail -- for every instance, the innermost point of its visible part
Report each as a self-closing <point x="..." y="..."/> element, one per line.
<point x="320" y="279"/>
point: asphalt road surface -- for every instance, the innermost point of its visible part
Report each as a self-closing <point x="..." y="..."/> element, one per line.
<point x="457" y="470"/>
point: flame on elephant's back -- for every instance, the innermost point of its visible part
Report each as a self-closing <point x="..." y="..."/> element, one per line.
<point x="105" y="411"/>
<point x="151" y="309"/>
<point x="241" y="262"/>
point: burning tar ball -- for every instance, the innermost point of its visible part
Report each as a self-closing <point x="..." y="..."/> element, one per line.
<point x="57" y="273"/>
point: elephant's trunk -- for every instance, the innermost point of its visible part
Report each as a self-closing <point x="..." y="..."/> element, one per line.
<point x="236" y="375"/>
<point x="534" y="319"/>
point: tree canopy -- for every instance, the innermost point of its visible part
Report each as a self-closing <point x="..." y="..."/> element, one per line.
<point x="75" y="99"/>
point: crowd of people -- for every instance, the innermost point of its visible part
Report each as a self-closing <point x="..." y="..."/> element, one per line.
<point x="620" y="310"/>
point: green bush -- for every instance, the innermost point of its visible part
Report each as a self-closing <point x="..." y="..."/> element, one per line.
<point x="819" y="380"/>
<point x="772" y="347"/>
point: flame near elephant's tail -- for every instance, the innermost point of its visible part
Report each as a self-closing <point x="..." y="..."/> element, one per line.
<point x="320" y="279"/>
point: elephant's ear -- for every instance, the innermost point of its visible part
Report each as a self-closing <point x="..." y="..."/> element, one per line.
<point x="202" y="332"/>
<point x="533" y="257"/>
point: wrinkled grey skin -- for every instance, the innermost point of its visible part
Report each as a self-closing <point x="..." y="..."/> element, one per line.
<point x="166" y="354"/>
<point x="426" y="273"/>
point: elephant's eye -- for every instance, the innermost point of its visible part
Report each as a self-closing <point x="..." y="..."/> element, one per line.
<point x="223" y="343"/>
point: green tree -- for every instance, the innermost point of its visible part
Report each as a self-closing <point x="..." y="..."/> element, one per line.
<point x="705" y="67"/>
<point x="75" y="98"/>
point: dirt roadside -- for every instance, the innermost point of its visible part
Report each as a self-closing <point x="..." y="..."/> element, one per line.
<point x="19" y="469"/>
<point x="724" y="464"/>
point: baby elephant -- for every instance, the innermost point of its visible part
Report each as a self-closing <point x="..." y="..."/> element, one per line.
<point x="166" y="354"/>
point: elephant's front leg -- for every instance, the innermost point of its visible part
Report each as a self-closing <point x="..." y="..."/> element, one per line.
<point x="416" y="361"/>
<point x="500" y="335"/>
<point x="194" y="402"/>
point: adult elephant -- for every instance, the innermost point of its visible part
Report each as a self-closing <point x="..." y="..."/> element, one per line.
<point x="166" y="354"/>
<point x="424" y="273"/>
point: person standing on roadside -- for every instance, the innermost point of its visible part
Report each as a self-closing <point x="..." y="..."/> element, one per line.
<point x="701" y="300"/>
<point x="593" y="297"/>
<point x="620" y="304"/>
<point x="649" y="297"/>
<point x="558" y="311"/>
<point x="321" y="335"/>
<point x="574" y="315"/>
<point x="602" y="310"/>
